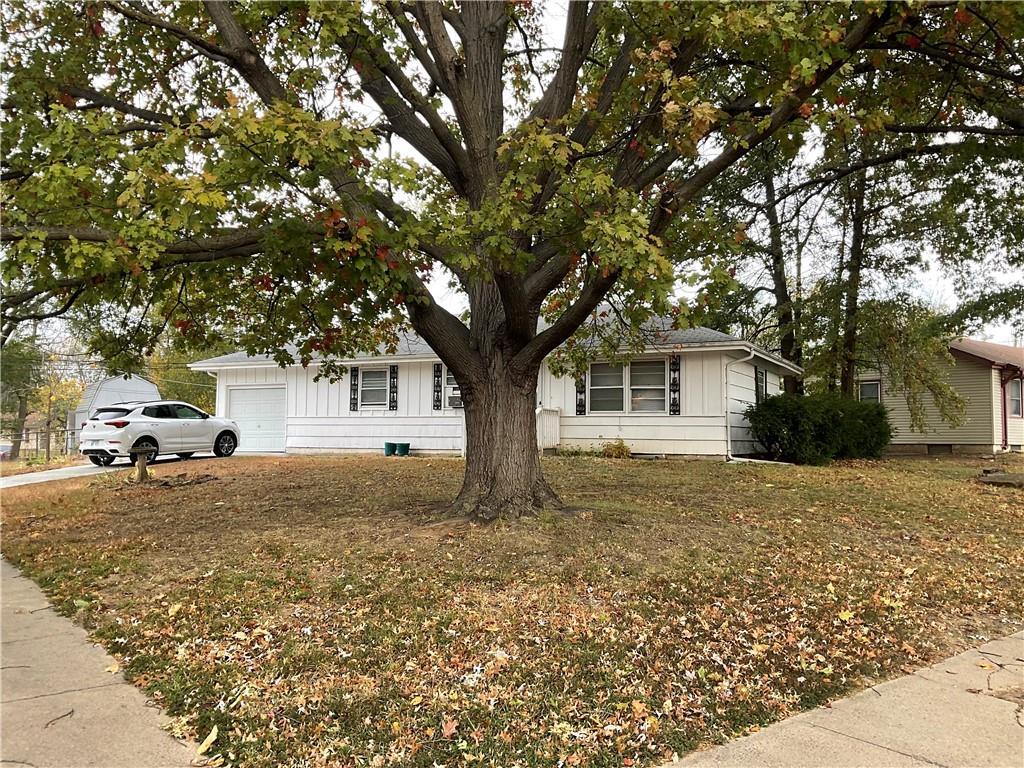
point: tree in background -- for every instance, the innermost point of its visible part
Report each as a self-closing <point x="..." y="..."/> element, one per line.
<point x="298" y="171"/>
<point x="52" y="399"/>
<point x="21" y="373"/>
<point x="168" y="369"/>
<point x="840" y="228"/>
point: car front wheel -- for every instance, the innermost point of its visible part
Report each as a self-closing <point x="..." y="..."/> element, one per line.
<point x="225" y="444"/>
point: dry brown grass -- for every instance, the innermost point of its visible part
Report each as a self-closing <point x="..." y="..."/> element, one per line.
<point x="323" y="611"/>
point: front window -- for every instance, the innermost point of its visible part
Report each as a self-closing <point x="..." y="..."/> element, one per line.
<point x="452" y="393"/>
<point x="186" y="412"/>
<point x="1014" y="397"/>
<point x="606" y="388"/>
<point x="870" y="392"/>
<point x="647" y="386"/>
<point x="373" y="388"/>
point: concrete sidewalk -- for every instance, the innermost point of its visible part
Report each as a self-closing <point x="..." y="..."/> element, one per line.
<point x="63" y="473"/>
<point x="61" y="707"/>
<point x="965" y="711"/>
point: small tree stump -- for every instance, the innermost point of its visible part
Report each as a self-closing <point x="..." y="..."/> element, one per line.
<point x="141" y="471"/>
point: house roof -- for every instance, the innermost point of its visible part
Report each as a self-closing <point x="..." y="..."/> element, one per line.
<point x="998" y="354"/>
<point x="92" y="389"/>
<point x="661" y="336"/>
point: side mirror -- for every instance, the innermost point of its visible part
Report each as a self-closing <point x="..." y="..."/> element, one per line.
<point x="206" y="415"/>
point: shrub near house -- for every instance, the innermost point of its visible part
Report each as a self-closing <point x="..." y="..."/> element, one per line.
<point x="815" y="429"/>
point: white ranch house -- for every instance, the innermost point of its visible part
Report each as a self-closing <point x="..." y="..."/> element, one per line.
<point x="684" y="396"/>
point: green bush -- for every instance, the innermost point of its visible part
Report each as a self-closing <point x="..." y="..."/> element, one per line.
<point x="815" y="429"/>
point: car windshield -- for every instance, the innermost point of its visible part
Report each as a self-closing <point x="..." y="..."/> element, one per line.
<point x="109" y="413"/>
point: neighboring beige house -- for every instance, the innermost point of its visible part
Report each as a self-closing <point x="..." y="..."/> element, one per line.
<point x="991" y="379"/>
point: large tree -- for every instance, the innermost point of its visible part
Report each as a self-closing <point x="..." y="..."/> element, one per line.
<point x="298" y="171"/>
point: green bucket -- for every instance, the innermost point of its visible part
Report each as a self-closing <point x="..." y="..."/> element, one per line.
<point x="401" y="449"/>
<point x="389" y="449"/>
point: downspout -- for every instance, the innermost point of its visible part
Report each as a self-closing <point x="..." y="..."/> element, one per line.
<point x="728" y="427"/>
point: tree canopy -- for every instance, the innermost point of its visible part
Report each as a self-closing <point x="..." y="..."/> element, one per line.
<point x="295" y="172"/>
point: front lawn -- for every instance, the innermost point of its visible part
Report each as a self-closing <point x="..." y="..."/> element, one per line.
<point x="322" y="611"/>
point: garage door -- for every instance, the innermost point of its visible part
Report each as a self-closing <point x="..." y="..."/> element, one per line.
<point x="260" y="413"/>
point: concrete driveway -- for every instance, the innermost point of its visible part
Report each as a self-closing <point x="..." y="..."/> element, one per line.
<point x="84" y="470"/>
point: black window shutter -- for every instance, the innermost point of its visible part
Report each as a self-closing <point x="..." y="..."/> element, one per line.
<point x="673" y="385"/>
<point x="581" y="395"/>
<point x="438" y="373"/>
<point x="393" y="388"/>
<point x="758" y="395"/>
<point x="353" y="400"/>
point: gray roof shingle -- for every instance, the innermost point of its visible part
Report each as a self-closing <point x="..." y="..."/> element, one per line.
<point x="661" y="336"/>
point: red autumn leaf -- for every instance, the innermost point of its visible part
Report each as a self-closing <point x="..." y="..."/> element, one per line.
<point x="805" y="110"/>
<point x="914" y="42"/>
<point x="962" y="16"/>
<point x="448" y="728"/>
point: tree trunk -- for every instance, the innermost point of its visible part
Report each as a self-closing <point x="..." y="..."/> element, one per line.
<point x="19" y="426"/>
<point x="848" y="360"/>
<point x="503" y="476"/>
<point x="789" y="338"/>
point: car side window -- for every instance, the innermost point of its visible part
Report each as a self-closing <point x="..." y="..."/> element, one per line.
<point x="159" y="412"/>
<point x="187" y="412"/>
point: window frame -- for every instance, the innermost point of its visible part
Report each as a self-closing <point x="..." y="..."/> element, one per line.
<point x="1019" y="399"/>
<point x="664" y="386"/>
<point x="450" y="390"/>
<point x="623" y="387"/>
<point x="627" y="388"/>
<point x="760" y="392"/>
<point x="860" y="385"/>
<point x="383" y="404"/>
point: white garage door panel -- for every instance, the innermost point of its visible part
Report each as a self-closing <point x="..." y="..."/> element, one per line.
<point x="260" y="413"/>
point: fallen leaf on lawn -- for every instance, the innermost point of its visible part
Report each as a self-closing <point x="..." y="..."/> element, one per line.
<point x="845" y="615"/>
<point x="416" y="700"/>
<point x="448" y="728"/>
<point x="208" y="741"/>
<point x="173" y="610"/>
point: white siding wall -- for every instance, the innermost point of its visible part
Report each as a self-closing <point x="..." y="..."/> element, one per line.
<point x="1014" y="424"/>
<point x="698" y="430"/>
<point x="741" y="396"/>
<point x="319" y="419"/>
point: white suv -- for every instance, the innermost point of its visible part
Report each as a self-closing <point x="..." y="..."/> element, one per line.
<point x="165" y="426"/>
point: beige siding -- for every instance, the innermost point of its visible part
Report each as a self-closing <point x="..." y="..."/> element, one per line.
<point x="981" y="428"/>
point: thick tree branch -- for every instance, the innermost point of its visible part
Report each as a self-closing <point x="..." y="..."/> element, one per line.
<point x="580" y="33"/>
<point x="676" y="194"/>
